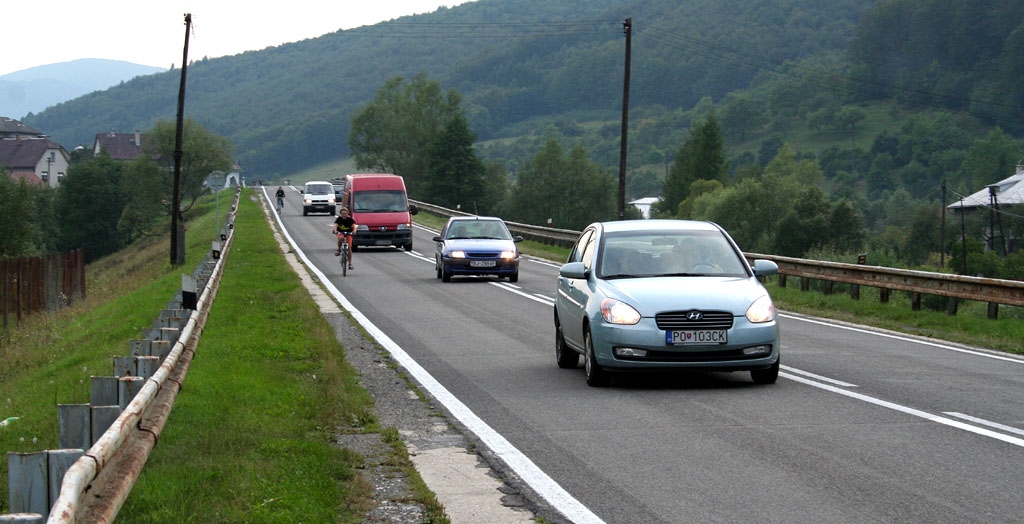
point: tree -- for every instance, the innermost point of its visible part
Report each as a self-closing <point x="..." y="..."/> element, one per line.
<point x="18" y="224"/>
<point x="150" y="177"/>
<point x="923" y="235"/>
<point x="701" y="157"/>
<point x="740" y="114"/>
<point x="805" y="225"/>
<point x="394" y="132"/>
<point x="569" y="189"/>
<point x="990" y="160"/>
<point x="456" y="175"/>
<point x="90" y="201"/>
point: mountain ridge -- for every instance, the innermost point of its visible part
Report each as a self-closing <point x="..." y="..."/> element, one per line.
<point x="35" y="89"/>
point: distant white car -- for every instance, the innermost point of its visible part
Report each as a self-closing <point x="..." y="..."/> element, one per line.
<point x="318" y="197"/>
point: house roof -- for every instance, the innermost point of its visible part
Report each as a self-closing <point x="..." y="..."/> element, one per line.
<point x="121" y="146"/>
<point x="24" y="153"/>
<point x="11" y="127"/>
<point x="1009" y="191"/>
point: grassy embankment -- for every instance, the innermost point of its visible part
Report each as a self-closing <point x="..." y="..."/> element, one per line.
<point x="250" y="438"/>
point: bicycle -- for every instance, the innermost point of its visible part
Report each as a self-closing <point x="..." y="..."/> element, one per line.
<point x="344" y="254"/>
<point x="280" y="205"/>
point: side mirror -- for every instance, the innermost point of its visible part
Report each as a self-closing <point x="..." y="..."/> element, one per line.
<point x="517" y="238"/>
<point x="573" y="270"/>
<point x="763" y="268"/>
<point x="438" y="239"/>
<point x="413" y="209"/>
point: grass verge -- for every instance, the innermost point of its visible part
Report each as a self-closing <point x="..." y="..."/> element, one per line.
<point x="252" y="437"/>
<point x="970" y="325"/>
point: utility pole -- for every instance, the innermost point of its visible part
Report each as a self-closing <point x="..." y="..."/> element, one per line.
<point x="995" y="218"/>
<point x="627" y="27"/>
<point x="177" y="228"/>
<point x="942" y="231"/>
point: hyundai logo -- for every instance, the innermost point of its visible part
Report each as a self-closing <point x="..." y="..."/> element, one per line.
<point x="694" y="316"/>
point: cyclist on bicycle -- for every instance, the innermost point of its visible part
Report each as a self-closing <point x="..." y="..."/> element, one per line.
<point x="280" y="197"/>
<point x="344" y="228"/>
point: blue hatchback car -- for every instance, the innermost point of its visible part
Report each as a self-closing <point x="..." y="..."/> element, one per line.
<point x="657" y="295"/>
<point x="476" y="246"/>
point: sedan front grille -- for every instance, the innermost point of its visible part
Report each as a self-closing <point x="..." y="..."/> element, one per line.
<point x="694" y="319"/>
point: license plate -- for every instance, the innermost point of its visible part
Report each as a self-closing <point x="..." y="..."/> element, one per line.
<point x="482" y="263"/>
<point x="695" y="337"/>
<point x="382" y="243"/>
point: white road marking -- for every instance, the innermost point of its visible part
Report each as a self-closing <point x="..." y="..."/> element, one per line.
<point x="1015" y="360"/>
<point x="818" y="377"/>
<point x="526" y="469"/>
<point x="908" y="410"/>
<point x="983" y="422"/>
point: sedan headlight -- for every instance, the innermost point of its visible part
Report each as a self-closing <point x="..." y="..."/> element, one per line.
<point x="618" y="312"/>
<point x="457" y="254"/>
<point x="761" y="311"/>
<point x="508" y="254"/>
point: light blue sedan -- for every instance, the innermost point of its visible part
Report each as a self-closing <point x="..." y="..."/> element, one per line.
<point x="657" y="295"/>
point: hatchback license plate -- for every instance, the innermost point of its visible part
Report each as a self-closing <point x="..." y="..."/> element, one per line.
<point x="696" y="337"/>
<point x="481" y="263"/>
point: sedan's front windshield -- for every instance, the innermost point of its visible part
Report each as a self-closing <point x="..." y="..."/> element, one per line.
<point x="668" y="253"/>
<point x="478" y="229"/>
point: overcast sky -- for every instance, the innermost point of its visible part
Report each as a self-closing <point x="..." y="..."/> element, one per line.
<point x="152" y="32"/>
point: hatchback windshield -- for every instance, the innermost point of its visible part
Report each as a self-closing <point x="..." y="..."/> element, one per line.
<point x="668" y="253"/>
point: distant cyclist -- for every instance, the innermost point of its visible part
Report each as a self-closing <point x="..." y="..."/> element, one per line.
<point x="344" y="228"/>
<point x="280" y="198"/>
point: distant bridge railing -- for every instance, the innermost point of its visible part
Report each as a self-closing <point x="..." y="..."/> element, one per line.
<point x="956" y="287"/>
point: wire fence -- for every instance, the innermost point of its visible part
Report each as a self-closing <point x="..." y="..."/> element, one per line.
<point x="33" y="284"/>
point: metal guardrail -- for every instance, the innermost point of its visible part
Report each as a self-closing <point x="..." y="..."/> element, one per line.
<point x="545" y="235"/>
<point x="991" y="290"/>
<point x="95" y="486"/>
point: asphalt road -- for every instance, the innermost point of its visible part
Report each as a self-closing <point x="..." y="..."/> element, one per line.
<point x="861" y="427"/>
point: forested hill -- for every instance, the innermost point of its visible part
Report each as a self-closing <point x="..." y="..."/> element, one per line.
<point x="514" y="61"/>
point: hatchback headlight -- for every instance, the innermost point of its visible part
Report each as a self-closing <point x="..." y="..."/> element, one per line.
<point x="457" y="254"/>
<point x="508" y="254"/>
<point x="618" y="312"/>
<point x="761" y="311"/>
